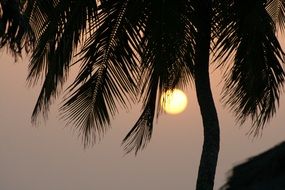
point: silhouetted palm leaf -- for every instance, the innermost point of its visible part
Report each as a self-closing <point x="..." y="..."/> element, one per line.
<point x="256" y="77"/>
<point x="108" y="71"/>
<point x="166" y="47"/>
<point x="59" y="27"/>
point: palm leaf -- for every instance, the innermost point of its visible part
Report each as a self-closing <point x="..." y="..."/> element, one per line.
<point x="254" y="80"/>
<point x="107" y="73"/>
<point x="59" y="27"/>
<point x="139" y="136"/>
<point x="166" y="47"/>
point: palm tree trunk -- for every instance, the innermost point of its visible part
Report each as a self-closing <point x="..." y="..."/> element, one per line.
<point x="211" y="146"/>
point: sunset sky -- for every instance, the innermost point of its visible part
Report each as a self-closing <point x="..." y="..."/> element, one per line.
<point x="52" y="157"/>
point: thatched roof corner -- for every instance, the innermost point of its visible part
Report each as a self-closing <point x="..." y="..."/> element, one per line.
<point x="263" y="172"/>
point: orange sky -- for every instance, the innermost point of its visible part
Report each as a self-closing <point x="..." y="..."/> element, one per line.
<point x="51" y="157"/>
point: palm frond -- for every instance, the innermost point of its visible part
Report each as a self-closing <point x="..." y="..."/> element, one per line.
<point x="140" y="135"/>
<point x="254" y="81"/>
<point x="276" y="9"/>
<point x="59" y="27"/>
<point x="166" y="47"/>
<point x="107" y="75"/>
<point x="88" y="107"/>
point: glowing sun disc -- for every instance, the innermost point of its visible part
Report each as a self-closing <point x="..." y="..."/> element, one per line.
<point x="173" y="101"/>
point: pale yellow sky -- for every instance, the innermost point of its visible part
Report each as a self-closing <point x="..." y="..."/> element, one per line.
<point x="51" y="157"/>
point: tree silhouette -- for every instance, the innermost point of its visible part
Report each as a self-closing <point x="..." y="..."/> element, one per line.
<point x="138" y="49"/>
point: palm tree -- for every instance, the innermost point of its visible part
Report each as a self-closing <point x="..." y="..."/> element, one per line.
<point x="142" y="48"/>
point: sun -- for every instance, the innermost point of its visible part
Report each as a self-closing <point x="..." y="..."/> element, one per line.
<point x="173" y="101"/>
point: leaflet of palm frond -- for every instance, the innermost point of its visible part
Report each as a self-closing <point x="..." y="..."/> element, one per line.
<point x="276" y="9"/>
<point x="15" y="31"/>
<point x="250" y="37"/>
<point x="59" y="38"/>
